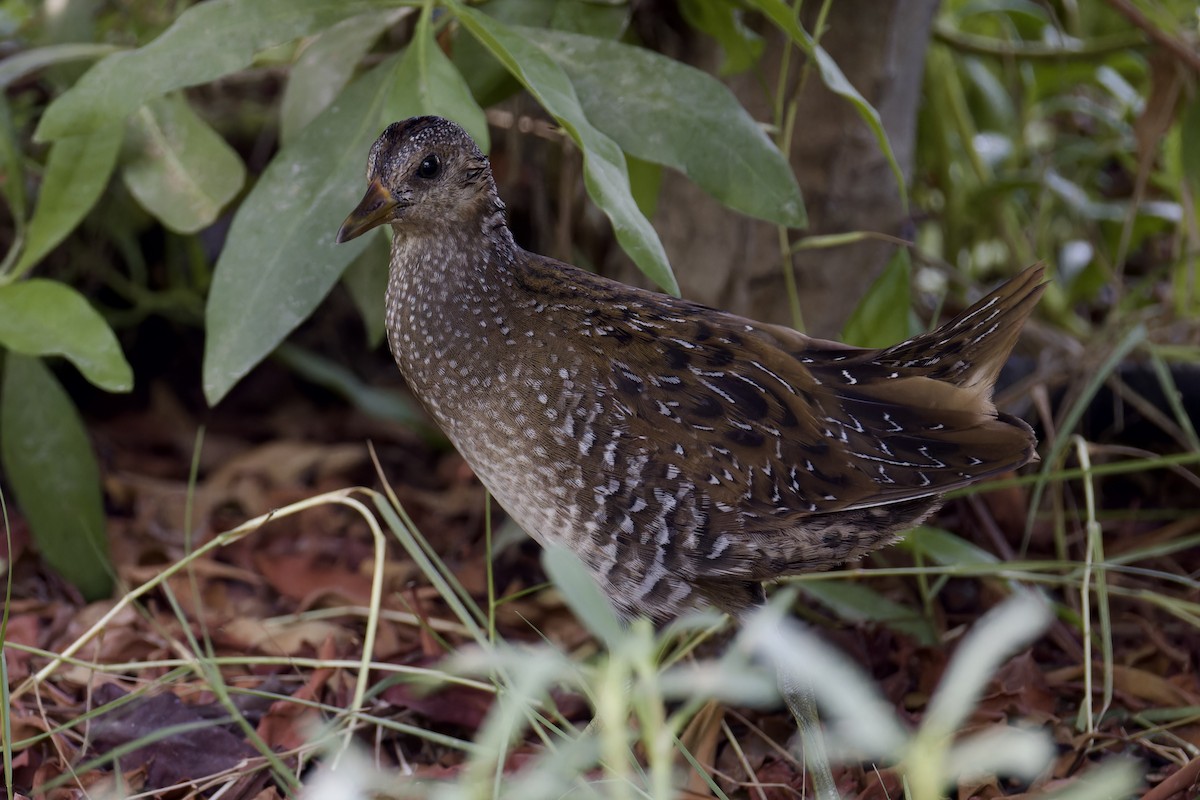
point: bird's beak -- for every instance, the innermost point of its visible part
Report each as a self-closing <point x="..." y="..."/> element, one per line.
<point x="372" y="211"/>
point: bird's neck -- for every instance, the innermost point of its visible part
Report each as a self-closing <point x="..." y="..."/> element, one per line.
<point x="455" y="315"/>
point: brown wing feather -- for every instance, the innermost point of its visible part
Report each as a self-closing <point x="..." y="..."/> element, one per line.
<point x="780" y="440"/>
<point x="774" y="438"/>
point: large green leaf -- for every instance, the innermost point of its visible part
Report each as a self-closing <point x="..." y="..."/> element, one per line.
<point x="207" y="41"/>
<point x="177" y="167"/>
<point x="603" y="162"/>
<point x="881" y="318"/>
<point x="854" y="601"/>
<point x="77" y="170"/>
<point x="428" y="83"/>
<point x="489" y="80"/>
<point x="606" y="20"/>
<point x="834" y="79"/>
<point x="13" y="168"/>
<point x="583" y="594"/>
<point x="280" y="259"/>
<point x="40" y="317"/>
<point x="661" y="110"/>
<point x="942" y="547"/>
<point x="722" y="20"/>
<point x="1189" y="126"/>
<point x="326" y="66"/>
<point x="16" y="67"/>
<point x="366" y="280"/>
<point x="49" y="463"/>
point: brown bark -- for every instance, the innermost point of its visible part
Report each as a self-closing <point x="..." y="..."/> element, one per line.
<point x="733" y="262"/>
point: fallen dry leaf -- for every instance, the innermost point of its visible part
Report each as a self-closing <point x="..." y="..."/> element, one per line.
<point x="205" y="747"/>
<point x="280" y="638"/>
<point x="288" y="723"/>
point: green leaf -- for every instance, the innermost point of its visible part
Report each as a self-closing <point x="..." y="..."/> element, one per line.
<point x="49" y="463"/>
<point x="1001" y="633"/>
<point x="16" y="67"/>
<point x="849" y="700"/>
<point x="881" y="318"/>
<point x="13" y="169"/>
<point x="582" y="594"/>
<point x="855" y="601"/>
<point x="427" y="83"/>
<point x="177" y="167"/>
<point x="833" y="78"/>
<point x="1117" y="778"/>
<point x="943" y="547"/>
<point x="722" y="20"/>
<point x="603" y="162"/>
<point x="661" y="110"/>
<point x="997" y="112"/>
<point x="280" y="259"/>
<point x="490" y="82"/>
<point x="645" y="181"/>
<point x="77" y="170"/>
<point x="207" y="41"/>
<point x="606" y="20"/>
<point x="40" y="318"/>
<point x="385" y="404"/>
<point x="325" y="67"/>
<point x="366" y="280"/>
<point x="1189" y="127"/>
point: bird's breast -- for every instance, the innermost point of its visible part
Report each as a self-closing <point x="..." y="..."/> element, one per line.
<point x="499" y="380"/>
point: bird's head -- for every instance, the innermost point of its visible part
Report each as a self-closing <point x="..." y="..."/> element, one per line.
<point x="424" y="173"/>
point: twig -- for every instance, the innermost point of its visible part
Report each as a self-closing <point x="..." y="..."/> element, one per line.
<point x="1178" y="47"/>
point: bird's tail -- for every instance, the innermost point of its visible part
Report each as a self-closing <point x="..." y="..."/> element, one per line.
<point x="969" y="350"/>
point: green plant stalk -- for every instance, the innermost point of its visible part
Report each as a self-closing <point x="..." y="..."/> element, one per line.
<point x="178" y="664"/>
<point x="789" y="276"/>
<point x="1174" y="399"/>
<point x="612" y="715"/>
<point x="965" y="127"/>
<point x="815" y="754"/>
<point x="658" y="737"/>
<point x="1131" y="340"/>
<point x="1185" y="287"/>
<point x="1175" y="461"/>
<point x="340" y="497"/>
<point x="207" y="672"/>
<point x="1094" y="553"/>
<point x="6" y="714"/>
<point x="431" y="566"/>
<point x="1089" y="50"/>
<point x="827" y="240"/>
<point x="459" y="600"/>
<point x="925" y="764"/>
<point x="189" y="510"/>
<point x="491" y="577"/>
<point x="784" y="114"/>
<point x="923" y="588"/>
<point x="419" y="549"/>
<point x="1150" y="411"/>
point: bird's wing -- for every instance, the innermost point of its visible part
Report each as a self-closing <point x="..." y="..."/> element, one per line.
<point x="738" y="432"/>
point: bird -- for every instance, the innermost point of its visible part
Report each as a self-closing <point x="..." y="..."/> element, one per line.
<point x="685" y="454"/>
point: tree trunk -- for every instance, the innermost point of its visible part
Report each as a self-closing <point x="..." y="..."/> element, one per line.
<point x="735" y="263"/>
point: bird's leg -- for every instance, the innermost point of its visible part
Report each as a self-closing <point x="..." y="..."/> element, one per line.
<point x="802" y="702"/>
<point x="796" y="690"/>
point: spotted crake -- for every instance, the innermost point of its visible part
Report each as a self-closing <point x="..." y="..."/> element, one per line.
<point x="685" y="454"/>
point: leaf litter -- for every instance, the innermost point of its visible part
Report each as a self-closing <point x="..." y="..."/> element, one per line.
<point x="279" y="616"/>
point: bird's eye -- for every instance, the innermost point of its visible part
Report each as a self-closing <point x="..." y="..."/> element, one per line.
<point x="429" y="167"/>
